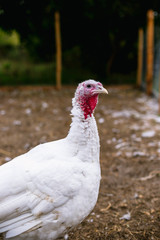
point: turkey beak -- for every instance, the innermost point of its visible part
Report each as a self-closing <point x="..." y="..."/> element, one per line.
<point x="101" y="89"/>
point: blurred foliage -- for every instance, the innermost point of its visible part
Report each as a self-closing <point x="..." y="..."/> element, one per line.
<point x="29" y="73"/>
<point x="98" y="36"/>
<point x="9" y="38"/>
<point x="14" y="73"/>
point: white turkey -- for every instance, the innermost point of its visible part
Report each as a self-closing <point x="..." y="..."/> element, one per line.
<point x="54" y="186"/>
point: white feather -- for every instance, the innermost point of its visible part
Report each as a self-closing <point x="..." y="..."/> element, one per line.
<point x="21" y="229"/>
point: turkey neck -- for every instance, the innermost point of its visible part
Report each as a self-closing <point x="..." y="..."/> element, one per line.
<point x="83" y="135"/>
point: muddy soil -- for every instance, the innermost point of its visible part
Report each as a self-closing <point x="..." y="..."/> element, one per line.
<point x="128" y="206"/>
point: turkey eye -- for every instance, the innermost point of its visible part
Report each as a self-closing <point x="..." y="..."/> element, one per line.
<point x="88" y="86"/>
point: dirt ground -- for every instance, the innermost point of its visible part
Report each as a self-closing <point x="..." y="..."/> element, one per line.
<point x="128" y="206"/>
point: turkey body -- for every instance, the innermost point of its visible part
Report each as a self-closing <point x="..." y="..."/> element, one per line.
<point x="54" y="186"/>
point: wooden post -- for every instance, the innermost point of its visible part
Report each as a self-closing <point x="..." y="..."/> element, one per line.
<point x="58" y="51"/>
<point x="150" y="51"/>
<point x="140" y="57"/>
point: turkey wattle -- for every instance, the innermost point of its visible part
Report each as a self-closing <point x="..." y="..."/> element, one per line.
<point x="55" y="185"/>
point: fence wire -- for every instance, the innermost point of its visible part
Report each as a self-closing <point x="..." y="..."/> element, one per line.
<point x="156" y="73"/>
<point x="156" y="62"/>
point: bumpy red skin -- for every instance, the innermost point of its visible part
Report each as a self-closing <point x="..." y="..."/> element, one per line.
<point x="88" y="104"/>
<point x="87" y="99"/>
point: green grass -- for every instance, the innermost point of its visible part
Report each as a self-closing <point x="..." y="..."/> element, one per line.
<point x="118" y="79"/>
<point x="21" y="73"/>
<point x="24" y="73"/>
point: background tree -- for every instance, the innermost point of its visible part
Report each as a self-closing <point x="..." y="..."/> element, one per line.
<point x="103" y="33"/>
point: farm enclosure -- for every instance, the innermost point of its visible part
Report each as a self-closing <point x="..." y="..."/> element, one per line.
<point x="130" y="153"/>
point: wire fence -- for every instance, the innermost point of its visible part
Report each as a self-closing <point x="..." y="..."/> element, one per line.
<point x="156" y="69"/>
<point x="143" y="80"/>
<point x="153" y="77"/>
